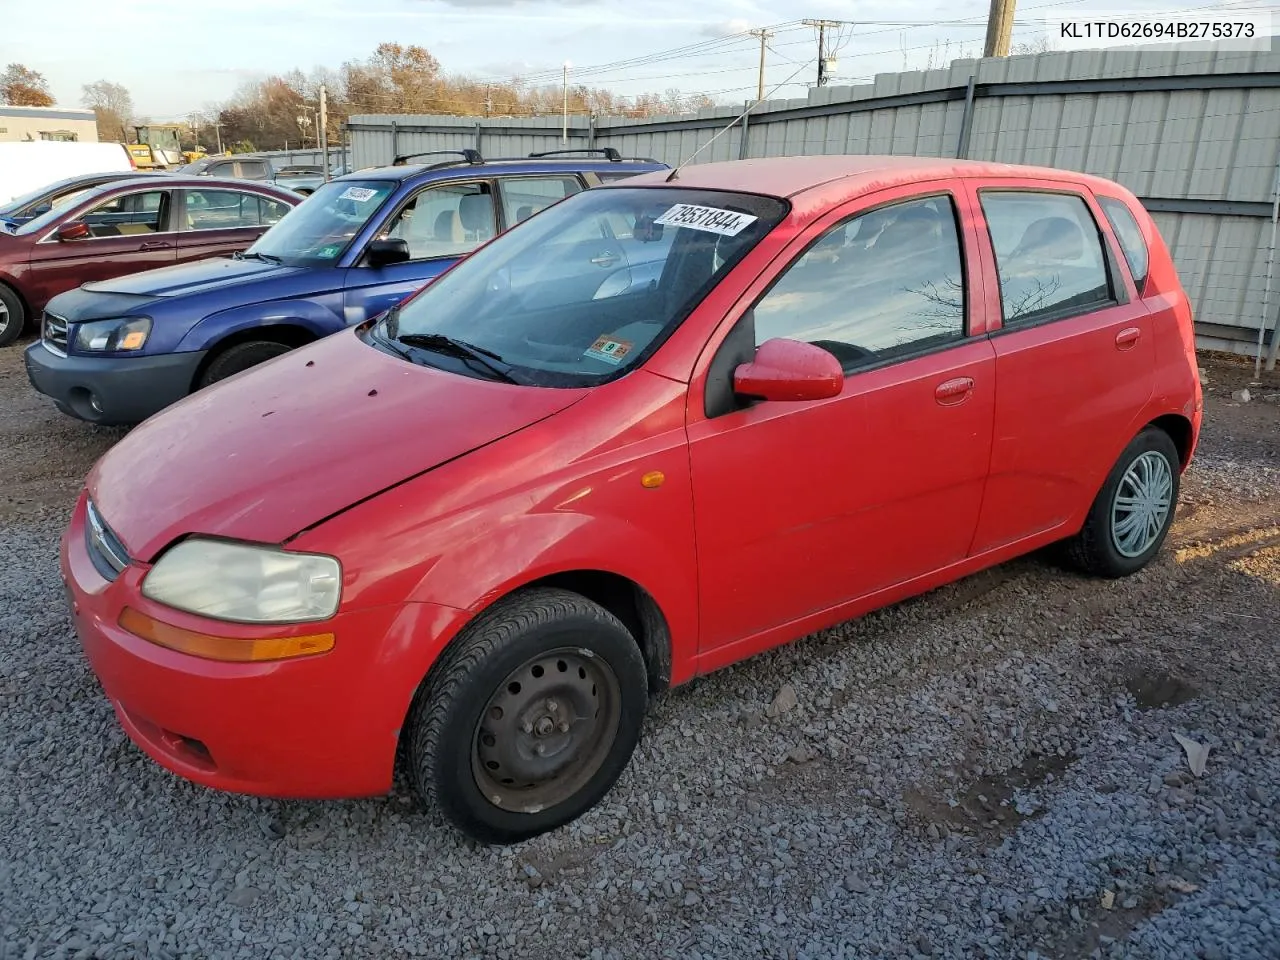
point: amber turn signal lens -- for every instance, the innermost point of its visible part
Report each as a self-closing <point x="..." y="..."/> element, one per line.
<point x="653" y="479"/>
<point x="230" y="649"/>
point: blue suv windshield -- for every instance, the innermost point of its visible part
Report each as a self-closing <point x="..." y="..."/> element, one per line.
<point x="583" y="291"/>
<point x="318" y="230"/>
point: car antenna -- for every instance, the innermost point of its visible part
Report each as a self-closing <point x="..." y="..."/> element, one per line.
<point x="732" y="123"/>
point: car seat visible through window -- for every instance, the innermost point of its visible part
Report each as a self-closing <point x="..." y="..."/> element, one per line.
<point x="476" y="212"/>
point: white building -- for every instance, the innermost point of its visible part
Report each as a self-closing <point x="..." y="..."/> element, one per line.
<point x="47" y="123"/>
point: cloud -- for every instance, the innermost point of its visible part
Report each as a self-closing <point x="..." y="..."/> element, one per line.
<point x="723" y="28"/>
<point x="515" y="3"/>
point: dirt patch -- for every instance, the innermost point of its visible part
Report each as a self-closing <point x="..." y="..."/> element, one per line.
<point x="1156" y="690"/>
<point x="988" y="807"/>
<point x="46" y="453"/>
<point x="1101" y="924"/>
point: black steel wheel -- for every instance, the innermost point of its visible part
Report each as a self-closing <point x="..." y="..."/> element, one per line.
<point x="529" y="717"/>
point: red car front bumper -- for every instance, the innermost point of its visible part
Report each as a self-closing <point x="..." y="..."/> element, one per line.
<point x="316" y="727"/>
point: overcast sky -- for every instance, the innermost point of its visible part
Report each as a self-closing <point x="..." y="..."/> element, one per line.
<point x="176" y="56"/>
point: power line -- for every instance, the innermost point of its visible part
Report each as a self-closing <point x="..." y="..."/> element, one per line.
<point x="822" y="27"/>
<point x="738" y="44"/>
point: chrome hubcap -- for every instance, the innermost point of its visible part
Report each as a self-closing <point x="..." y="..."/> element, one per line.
<point x="1141" y="506"/>
<point x="4" y="316"/>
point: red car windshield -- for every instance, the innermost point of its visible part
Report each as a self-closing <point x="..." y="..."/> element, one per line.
<point x="583" y="291"/>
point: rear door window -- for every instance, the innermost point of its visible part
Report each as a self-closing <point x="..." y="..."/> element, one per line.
<point x="1130" y="236"/>
<point x="1049" y="255"/>
<point x="522" y="197"/>
<point x="222" y="210"/>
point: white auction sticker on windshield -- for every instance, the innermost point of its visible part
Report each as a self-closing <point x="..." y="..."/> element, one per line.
<point x="710" y="219"/>
<point x="358" y="194"/>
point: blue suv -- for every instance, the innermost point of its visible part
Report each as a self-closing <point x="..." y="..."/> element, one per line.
<point x="117" y="351"/>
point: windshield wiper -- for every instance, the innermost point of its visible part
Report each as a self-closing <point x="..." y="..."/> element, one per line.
<point x="439" y="343"/>
<point x="264" y="257"/>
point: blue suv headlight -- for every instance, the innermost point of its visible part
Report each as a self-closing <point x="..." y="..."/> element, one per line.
<point x="120" y="334"/>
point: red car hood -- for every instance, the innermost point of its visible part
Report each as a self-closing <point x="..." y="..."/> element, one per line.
<point x="270" y="452"/>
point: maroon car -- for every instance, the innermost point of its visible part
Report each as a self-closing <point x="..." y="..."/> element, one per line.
<point x="124" y="227"/>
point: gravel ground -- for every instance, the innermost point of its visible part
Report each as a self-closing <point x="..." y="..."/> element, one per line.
<point x="987" y="771"/>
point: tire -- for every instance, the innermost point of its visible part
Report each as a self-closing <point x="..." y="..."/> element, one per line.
<point x="13" y="316"/>
<point x="493" y="699"/>
<point x="239" y="357"/>
<point x="1101" y="547"/>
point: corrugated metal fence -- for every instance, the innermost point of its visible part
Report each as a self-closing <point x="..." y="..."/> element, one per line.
<point x="1195" y="134"/>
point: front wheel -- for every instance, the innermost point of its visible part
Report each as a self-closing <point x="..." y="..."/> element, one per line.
<point x="239" y="357"/>
<point x="12" y="316"/>
<point x="1133" y="512"/>
<point x="529" y="717"/>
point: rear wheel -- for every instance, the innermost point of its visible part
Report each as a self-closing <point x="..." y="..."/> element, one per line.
<point x="528" y="718"/>
<point x="13" y="317"/>
<point x="1134" y="510"/>
<point x="239" y="357"/>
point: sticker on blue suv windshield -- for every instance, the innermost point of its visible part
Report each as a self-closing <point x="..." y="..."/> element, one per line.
<point x="727" y="223"/>
<point x="358" y="194"/>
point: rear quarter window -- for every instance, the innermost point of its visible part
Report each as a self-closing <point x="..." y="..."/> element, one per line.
<point x="1127" y="231"/>
<point x="1049" y="255"/>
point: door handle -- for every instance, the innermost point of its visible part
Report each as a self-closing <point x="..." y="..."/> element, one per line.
<point x="606" y="259"/>
<point x="1127" y="338"/>
<point x="156" y="245"/>
<point x="950" y="392"/>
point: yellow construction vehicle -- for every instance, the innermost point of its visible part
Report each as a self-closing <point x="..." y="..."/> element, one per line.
<point x="158" y="147"/>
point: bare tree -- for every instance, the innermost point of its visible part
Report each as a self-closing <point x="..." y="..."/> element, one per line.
<point x="113" y="105"/>
<point x="1039" y="45"/>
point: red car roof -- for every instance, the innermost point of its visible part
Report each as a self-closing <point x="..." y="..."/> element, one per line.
<point x="788" y="176"/>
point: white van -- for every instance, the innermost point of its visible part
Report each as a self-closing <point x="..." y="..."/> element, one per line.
<point x="29" y="165"/>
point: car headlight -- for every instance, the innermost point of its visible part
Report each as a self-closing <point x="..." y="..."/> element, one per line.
<point x="245" y="583"/>
<point x="122" y="333"/>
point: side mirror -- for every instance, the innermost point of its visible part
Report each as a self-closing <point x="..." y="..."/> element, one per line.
<point x="72" y="231"/>
<point x="789" y="370"/>
<point x="381" y="253"/>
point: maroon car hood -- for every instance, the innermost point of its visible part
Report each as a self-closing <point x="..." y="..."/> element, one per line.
<point x="266" y="454"/>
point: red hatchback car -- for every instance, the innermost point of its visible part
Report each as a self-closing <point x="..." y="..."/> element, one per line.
<point x="655" y="429"/>
<point x="124" y="227"/>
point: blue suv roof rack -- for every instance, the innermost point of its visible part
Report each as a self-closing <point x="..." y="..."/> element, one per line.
<point x="609" y="153"/>
<point x="468" y="156"/>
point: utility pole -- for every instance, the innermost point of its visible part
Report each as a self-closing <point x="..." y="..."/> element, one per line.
<point x="564" y="135"/>
<point x="324" y="130"/>
<point x="826" y="63"/>
<point x="999" y="28"/>
<point x="764" y="36"/>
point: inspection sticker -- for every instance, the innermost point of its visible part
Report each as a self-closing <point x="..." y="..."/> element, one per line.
<point x="710" y="219"/>
<point x="609" y="350"/>
<point x="358" y="194"/>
